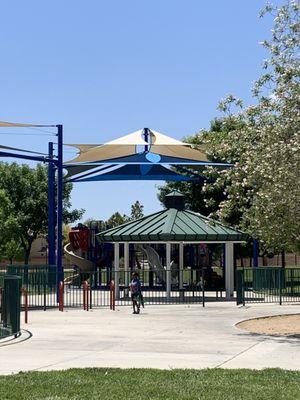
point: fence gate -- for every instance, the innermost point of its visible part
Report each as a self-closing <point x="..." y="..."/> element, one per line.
<point x="268" y="285"/>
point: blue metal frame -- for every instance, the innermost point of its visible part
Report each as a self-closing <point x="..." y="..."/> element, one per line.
<point x="255" y="253"/>
<point x="146" y="137"/>
<point x="51" y="208"/>
<point x="54" y="252"/>
<point x="25" y="157"/>
<point x="59" y="249"/>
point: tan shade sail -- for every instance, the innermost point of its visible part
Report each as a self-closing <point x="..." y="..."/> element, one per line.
<point x="105" y="152"/>
<point x="83" y="147"/>
<point x="121" y="147"/>
<point x="179" y="152"/>
<point x="20" y="125"/>
<point x="126" y="146"/>
<point x="158" y="138"/>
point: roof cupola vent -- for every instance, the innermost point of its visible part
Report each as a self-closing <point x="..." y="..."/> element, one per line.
<point x="175" y="200"/>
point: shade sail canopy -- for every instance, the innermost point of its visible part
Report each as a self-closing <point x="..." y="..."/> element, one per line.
<point x="133" y="172"/>
<point x="21" y="125"/>
<point x="174" y="224"/>
<point x="160" y="156"/>
<point x="157" y="143"/>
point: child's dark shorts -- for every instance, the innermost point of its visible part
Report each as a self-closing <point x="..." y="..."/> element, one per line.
<point x="135" y="296"/>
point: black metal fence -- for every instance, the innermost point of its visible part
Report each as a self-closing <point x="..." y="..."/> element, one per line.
<point x="187" y="286"/>
<point x="268" y="285"/>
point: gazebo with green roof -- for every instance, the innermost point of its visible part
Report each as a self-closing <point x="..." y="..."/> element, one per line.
<point x="175" y="225"/>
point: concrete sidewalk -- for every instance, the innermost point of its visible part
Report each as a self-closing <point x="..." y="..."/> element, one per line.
<point x="176" y="336"/>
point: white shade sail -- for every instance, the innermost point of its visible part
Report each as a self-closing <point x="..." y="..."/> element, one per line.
<point x="134" y="138"/>
<point x="126" y="145"/>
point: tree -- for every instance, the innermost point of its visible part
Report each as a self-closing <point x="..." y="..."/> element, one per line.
<point x="264" y="185"/>
<point x="12" y="250"/>
<point x="260" y="194"/>
<point x="115" y="220"/>
<point x="197" y="200"/>
<point x="7" y="225"/>
<point x="26" y="189"/>
<point x="136" y="211"/>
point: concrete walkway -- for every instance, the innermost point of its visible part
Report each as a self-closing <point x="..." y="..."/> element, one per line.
<point x="176" y="336"/>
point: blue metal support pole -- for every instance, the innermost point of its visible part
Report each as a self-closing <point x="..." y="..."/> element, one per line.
<point x="59" y="250"/>
<point x="255" y="253"/>
<point x="24" y="157"/>
<point x="146" y="137"/>
<point x="51" y="208"/>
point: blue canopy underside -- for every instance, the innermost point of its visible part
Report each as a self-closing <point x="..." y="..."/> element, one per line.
<point x="138" y="172"/>
<point x="178" y="178"/>
<point x="140" y="158"/>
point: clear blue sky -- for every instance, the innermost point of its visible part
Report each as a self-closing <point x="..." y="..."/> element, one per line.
<point x="106" y="68"/>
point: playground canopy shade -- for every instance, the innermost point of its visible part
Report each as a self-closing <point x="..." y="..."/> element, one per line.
<point x="124" y="159"/>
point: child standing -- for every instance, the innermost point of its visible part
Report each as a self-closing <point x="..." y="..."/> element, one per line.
<point x="136" y="293"/>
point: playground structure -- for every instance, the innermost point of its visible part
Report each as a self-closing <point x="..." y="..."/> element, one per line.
<point x="177" y="242"/>
<point x="175" y="251"/>
<point x="86" y="255"/>
<point x="142" y="155"/>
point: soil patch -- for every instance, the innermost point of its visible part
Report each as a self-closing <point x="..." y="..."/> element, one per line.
<point x="286" y="325"/>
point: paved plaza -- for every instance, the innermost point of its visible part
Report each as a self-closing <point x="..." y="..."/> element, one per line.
<point x="174" y="336"/>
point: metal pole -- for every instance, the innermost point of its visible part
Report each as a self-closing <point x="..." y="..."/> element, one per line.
<point x="126" y="267"/>
<point x="255" y="253"/>
<point x="51" y="208"/>
<point x="146" y="137"/>
<point x="59" y="251"/>
<point x="202" y="287"/>
<point x="168" y="272"/>
<point x="229" y="270"/>
<point x="181" y="264"/>
<point x="117" y="269"/>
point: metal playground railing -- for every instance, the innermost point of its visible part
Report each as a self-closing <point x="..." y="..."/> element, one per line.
<point x="40" y="285"/>
<point x="268" y="285"/>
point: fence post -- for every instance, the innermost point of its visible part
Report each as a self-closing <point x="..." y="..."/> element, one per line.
<point x="112" y="295"/>
<point x="90" y="295"/>
<point x="45" y="297"/>
<point x="243" y="287"/>
<point x="1" y="304"/>
<point x="85" y="296"/>
<point x="61" y="296"/>
<point x="202" y="287"/>
<point x="280" y="285"/>
<point x="25" y="294"/>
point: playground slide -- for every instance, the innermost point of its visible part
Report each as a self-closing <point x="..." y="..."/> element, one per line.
<point x="154" y="262"/>
<point x="80" y="262"/>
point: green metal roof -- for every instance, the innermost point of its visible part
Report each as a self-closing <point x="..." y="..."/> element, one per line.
<point x="172" y="225"/>
<point x="175" y="193"/>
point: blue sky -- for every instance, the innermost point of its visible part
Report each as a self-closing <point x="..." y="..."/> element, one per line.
<point x="106" y="68"/>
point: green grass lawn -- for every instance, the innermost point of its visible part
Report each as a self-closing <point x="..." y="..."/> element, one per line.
<point x="150" y="384"/>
